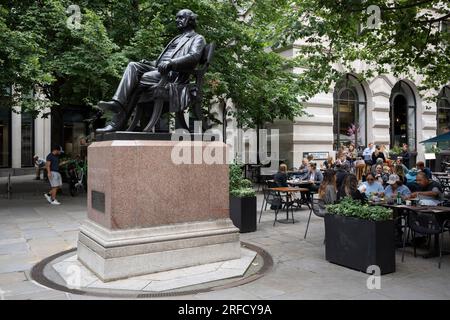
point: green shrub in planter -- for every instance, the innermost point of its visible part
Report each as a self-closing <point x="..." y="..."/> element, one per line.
<point x="352" y="208"/>
<point x="242" y="200"/>
<point x="358" y="236"/>
<point x="240" y="187"/>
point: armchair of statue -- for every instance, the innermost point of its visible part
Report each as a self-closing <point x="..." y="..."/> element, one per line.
<point x="142" y="101"/>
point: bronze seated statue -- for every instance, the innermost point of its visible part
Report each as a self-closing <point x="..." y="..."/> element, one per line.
<point x="173" y="82"/>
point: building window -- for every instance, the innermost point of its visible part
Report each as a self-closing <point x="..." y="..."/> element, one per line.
<point x="5" y="131"/>
<point x="403" y="115"/>
<point x="443" y="114"/>
<point x="27" y="140"/>
<point x="350" y="113"/>
<point x="75" y="130"/>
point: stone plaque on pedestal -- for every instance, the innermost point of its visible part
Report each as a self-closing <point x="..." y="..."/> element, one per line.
<point x="158" y="214"/>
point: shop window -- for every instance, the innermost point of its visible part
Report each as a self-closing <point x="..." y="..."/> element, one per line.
<point x="350" y="113"/>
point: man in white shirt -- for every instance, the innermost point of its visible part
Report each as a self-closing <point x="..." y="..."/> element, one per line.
<point x="367" y="156"/>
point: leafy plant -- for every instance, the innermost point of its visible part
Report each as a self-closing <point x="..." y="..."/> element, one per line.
<point x="352" y="208"/>
<point x="432" y="149"/>
<point x="240" y="187"/>
<point x="395" y="150"/>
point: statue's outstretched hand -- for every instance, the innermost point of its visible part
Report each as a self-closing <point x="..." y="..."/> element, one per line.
<point x="144" y="61"/>
<point x="164" y="67"/>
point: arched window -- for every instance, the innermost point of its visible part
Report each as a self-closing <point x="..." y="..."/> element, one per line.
<point x="403" y="115"/>
<point x="443" y="114"/>
<point x="350" y="113"/>
<point x="5" y="130"/>
<point x="443" y="109"/>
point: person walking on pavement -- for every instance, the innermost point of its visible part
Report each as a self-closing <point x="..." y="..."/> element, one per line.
<point x="54" y="177"/>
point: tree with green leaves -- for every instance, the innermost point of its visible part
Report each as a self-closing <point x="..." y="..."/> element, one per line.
<point x="80" y="66"/>
<point x="401" y="37"/>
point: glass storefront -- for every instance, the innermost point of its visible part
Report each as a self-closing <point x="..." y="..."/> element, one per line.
<point x="443" y="115"/>
<point x="75" y="131"/>
<point x="349" y="125"/>
<point x="403" y="116"/>
<point x="27" y="149"/>
<point x="5" y="137"/>
<point x="5" y="131"/>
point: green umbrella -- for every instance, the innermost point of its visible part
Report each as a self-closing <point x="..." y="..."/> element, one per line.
<point x="439" y="138"/>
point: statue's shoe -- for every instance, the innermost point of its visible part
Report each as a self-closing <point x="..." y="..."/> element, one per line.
<point x="112" y="105"/>
<point x="111" y="127"/>
<point x="117" y="123"/>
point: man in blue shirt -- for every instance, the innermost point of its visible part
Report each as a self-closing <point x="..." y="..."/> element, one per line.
<point x="54" y="177"/>
<point x="395" y="185"/>
<point x="371" y="186"/>
<point x="421" y="167"/>
<point x="367" y="156"/>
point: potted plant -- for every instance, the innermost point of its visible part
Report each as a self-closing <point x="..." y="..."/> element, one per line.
<point x="358" y="236"/>
<point x="242" y="200"/>
<point x="394" y="152"/>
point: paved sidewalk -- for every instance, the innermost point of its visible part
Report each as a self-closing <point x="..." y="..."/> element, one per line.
<point x="31" y="229"/>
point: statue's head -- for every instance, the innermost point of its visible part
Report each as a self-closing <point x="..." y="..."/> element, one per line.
<point x="186" y="19"/>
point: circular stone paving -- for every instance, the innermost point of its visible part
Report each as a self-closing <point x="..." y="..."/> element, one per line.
<point x="64" y="272"/>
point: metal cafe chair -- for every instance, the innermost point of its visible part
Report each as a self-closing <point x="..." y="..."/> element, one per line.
<point x="445" y="227"/>
<point x="272" y="198"/>
<point x="314" y="208"/>
<point x="424" y="223"/>
<point x="267" y="185"/>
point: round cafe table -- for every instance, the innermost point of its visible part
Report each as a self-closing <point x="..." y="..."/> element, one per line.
<point x="442" y="213"/>
<point x="288" y="191"/>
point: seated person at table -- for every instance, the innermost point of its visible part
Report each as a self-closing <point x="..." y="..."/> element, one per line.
<point x="315" y="177"/>
<point x="341" y="172"/>
<point x="429" y="192"/>
<point x="329" y="163"/>
<point x="381" y="176"/>
<point x="350" y="189"/>
<point x="280" y="177"/>
<point x="421" y="167"/>
<point x="395" y="185"/>
<point x="398" y="170"/>
<point x="314" y="174"/>
<point x="399" y="162"/>
<point x="378" y="154"/>
<point x="379" y="162"/>
<point x="371" y="186"/>
<point x="327" y="189"/>
<point x="302" y="172"/>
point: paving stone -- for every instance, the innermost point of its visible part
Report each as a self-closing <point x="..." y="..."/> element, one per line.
<point x="127" y="284"/>
<point x="13" y="248"/>
<point x="23" y="287"/>
<point x="50" y="295"/>
<point x="300" y="270"/>
<point x="11" y="277"/>
<point x="19" y="262"/>
<point x="44" y="247"/>
<point x="34" y="225"/>
<point x="39" y="233"/>
<point x="227" y="294"/>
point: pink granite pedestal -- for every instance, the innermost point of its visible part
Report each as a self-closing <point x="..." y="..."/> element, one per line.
<point x="148" y="213"/>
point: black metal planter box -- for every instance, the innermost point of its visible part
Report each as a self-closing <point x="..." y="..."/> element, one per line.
<point x="357" y="243"/>
<point x="243" y="213"/>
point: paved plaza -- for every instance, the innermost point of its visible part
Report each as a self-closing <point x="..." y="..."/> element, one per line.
<point x="31" y="229"/>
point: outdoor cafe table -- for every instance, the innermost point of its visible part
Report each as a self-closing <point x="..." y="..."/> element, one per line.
<point x="299" y="183"/>
<point x="442" y="213"/>
<point x="288" y="191"/>
<point x="437" y="174"/>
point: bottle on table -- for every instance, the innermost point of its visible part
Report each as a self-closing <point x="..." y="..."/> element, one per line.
<point x="399" y="198"/>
